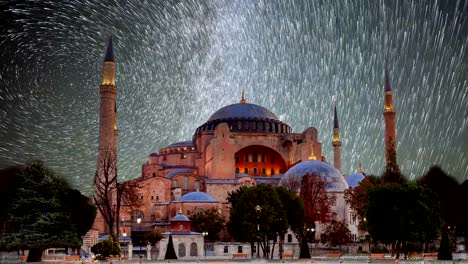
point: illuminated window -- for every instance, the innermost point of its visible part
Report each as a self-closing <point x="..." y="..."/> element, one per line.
<point x="183" y="156"/>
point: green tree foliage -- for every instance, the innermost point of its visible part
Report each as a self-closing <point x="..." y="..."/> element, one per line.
<point x="106" y="248"/>
<point x="210" y="221"/>
<point x="336" y="234"/>
<point x="40" y="211"/>
<point x="392" y="172"/>
<point x="257" y="215"/>
<point x="170" y="252"/>
<point x="398" y="213"/>
<point x="358" y="198"/>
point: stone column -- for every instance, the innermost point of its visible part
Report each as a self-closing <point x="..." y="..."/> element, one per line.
<point x="130" y="250"/>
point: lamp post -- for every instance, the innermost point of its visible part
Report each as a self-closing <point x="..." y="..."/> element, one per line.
<point x="204" y="246"/>
<point x="258" y="209"/>
<point x="125" y="248"/>
<point x="139" y="222"/>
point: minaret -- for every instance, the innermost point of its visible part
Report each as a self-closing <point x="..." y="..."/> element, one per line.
<point x="336" y="143"/>
<point x="389" y="116"/>
<point x="108" y="115"/>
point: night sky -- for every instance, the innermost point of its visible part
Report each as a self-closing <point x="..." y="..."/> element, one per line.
<point x="180" y="61"/>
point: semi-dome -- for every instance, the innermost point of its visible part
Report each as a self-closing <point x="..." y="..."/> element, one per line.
<point x="197" y="197"/>
<point x="243" y="111"/>
<point x="180" y="217"/>
<point x="334" y="179"/>
<point x="245" y="117"/>
<point x="353" y="180"/>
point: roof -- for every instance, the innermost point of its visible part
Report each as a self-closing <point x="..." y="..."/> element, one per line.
<point x="180" y="217"/>
<point x="173" y="173"/>
<point x="388" y="88"/>
<point x="335" y="180"/>
<point x="110" y="51"/>
<point x="353" y="180"/>
<point x="182" y="233"/>
<point x="188" y="143"/>
<point x="197" y="197"/>
<point x="243" y="111"/>
<point x="335" y="120"/>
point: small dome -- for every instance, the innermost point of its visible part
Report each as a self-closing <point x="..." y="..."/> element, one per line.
<point x="243" y="111"/>
<point x="335" y="180"/>
<point x="189" y="143"/>
<point x="180" y="217"/>
<point x="353" y="180"/>
<point x="197" y="197"/>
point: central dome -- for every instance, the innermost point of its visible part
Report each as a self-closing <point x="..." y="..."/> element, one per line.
<point x="244" y="117"/>
<point x="243" y="111"/>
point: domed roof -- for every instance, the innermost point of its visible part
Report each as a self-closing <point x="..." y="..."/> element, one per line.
<point x="353" y="180"/>
<point x="335" y="180"/>
<point x="243" y="111"/>
<point x="153" y="154"/>
<point x="197" y="197"/>
<point x="180" y="217"/>
<point x="188" y="143"/>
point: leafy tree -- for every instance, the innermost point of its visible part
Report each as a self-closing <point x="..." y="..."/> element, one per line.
<point x="210" y="221"/>
<point x="337" y="234"/>
<point x="170" y="252"/>
<point x="105" y="249"/>
<point x="392" y="172"/>
<point x="257" y="215"/>
<point x="398" y="213"/>
<point x="40" y="210"/>
<point x="358" y="198"/>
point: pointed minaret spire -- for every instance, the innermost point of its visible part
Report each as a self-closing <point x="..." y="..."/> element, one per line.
<point x="242" y="101"/>
<point x="110" y="51"/>
<point x="388" y="88"/>
<point x="335" y="120"/>
<point x="336" y="143"/>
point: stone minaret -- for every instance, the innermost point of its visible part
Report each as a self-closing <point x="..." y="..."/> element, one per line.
<point x="108" y="113"/>
<point x="336" y="143"/>
<point x="389" y="116"/>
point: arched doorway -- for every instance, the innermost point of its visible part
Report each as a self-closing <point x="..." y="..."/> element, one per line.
<point x="258" y="160"/>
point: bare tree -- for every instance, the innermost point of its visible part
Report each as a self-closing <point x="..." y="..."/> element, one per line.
<point x="317" y="201"/>
<point x="109" y="194"/>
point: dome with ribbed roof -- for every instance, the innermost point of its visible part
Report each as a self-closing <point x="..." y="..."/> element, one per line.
<point x="243" y="111"/>
<point x="180" y="217"/>
<point x="334" y="179"/>
<point x="197" y="197"/>
<point x="245" y="117"/>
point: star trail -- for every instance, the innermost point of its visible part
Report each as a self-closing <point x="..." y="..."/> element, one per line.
<point x="180" y="61"/>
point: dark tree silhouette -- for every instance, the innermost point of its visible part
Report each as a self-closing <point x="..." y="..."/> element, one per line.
<point x="170" y="252"/>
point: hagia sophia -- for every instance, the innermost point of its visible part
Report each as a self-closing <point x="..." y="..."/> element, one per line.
<point x="242" y="144"/>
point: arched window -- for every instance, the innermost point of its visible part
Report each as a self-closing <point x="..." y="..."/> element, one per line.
<point x="281" y="171"/>
<point x="263" y="171"/>
<point x="181" y="250"/>
<point x="186" y="180"/>
<point x="137" y="214"/>
<point x="246" y="158"/>
<point x="254" y="157"/>
<point x="196" y="185"/>
<point x="181" y="227"/>
<point x="272" y="172"/>
<point x="237" y="169"/>
<point x="154" y="174"/>
<point x="263" y="157"/>
<point x="246" y="170"/>
<point x="193" y="249"/>
<point x="174" y="184"/>
<point x="255" y="172"/>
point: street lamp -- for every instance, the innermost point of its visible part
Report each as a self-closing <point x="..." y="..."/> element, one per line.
<point x="204" y="234"/>
<point x="125" y="248"/>
<point x="258" y="209"/>
<point x="139" y="222"/>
